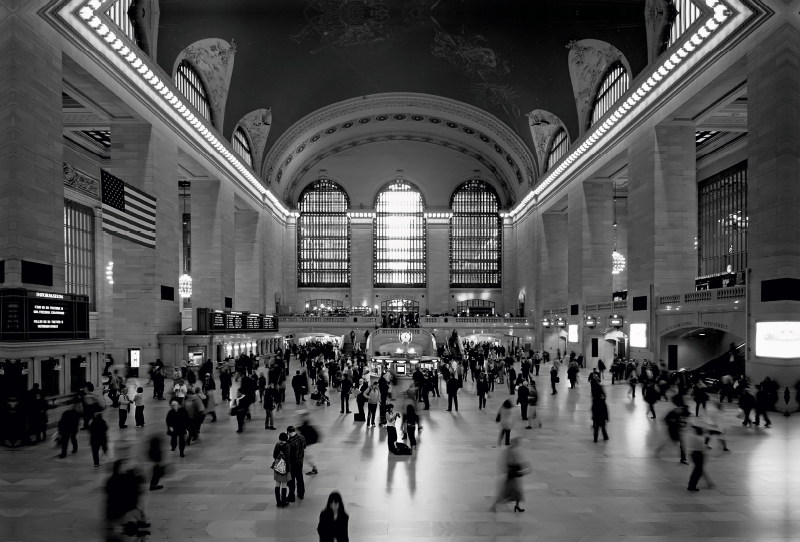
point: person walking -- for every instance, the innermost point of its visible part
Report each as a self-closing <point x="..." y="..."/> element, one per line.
<point x="347" y="386"/>
<point x="747" y="403"/>
<point x="675" y="420"/>
<point x="210" y="401"/>
<point x="154" y="453"/>
<point x="763" y="403"/>
<point x="270" y="402"/>
<point x="516" y="468"/>
<point x="700" y="397"/>
<point x="651" y="396"/>
<point x="372" y="394"/>
<point x="68" y="428"/>
<point x="410" y="423"/>
<point x="225" y="382"/>
<point x="98" y="437"/>
<point x="505" y="417"/>
<point x="554" y="378"/>
<point x="280" y="470"/>
<point x="601" y="368"/>
<point x="333" y="521"/>
<point x="572" y="374"/>
<point x="194" y="408"/>
<point x="177" y="424"/>
<point x="239" y="408"/>
<point x="482" y="389"/>
<point x="533" y="398"/>
<point x="297" y="448"/>
<point x="123" y="407"/>
<point x="632" y="381"/>
<point x="312" y="436"/>
<point x="599" y="415"/>
<point x="452" y="386"/>
<point x="299" y="384"/>
<point x="694" y="442"/>
<point x="138" y="405"/>
<point x="712" y="421"/>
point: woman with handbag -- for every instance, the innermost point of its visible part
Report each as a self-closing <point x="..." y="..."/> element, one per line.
<point x="280" y="470"/>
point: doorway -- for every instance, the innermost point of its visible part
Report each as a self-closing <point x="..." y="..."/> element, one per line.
<point x="672" y="357"/>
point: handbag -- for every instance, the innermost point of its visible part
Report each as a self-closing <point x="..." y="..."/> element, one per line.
<point x="279" y="465"/>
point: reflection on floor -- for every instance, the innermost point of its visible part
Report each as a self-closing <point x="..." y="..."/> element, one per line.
<point x="578" y="490"/>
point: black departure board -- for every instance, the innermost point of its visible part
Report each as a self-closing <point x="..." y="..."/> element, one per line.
<point x="31" y="315"/>
<point x="216" y="321"/>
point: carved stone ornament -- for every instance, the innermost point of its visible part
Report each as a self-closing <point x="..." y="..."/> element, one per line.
<point x="543" y="126"/>
<point x="79" y="180"/>
<point x="213" y="58"/>
<point x="257" y="124"/>
<point x="657" y="16"/>
<point x="588" y="62"/>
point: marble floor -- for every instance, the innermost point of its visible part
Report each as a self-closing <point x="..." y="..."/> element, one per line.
<point x="577" y="491"/>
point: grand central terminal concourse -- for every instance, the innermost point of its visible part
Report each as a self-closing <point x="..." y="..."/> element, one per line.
<point x="400" y="270"/>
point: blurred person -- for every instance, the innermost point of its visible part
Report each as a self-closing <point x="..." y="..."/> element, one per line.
<point x="505" y="417"/>
<point x="333" y="521"/>
<point x="695" y="444"/>
<point x="712" y="420"/>
<point x="516" y="468"/>
<point x="311" y="436"/>
<point x="124" y="516"/>
<point x="155" y="456"/>
<point x="763" y="403"/>
<point x="98" y="437"/>
<point x="193" y="405"/>
<point x="68" y="428"/>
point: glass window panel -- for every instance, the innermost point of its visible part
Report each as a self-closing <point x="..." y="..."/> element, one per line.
<point x="559" y="148"/>
<point x="400" y="257"/>
<point x="475" y="239"/>
<point x="191" y="86"/>
<point x="79" y="252"/>
<point x="614" y="85"/>
<point x="323" y="236"/>
<point x="242" y="146"/>
<point x="722" y="222"/>
<point x="685" y="14"/>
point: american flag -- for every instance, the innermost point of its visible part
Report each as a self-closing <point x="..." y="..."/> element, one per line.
<point x="127" y="212"/>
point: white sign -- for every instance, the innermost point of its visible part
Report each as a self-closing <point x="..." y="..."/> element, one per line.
<point x="135" y="358"/>
<point x="778" y="339"/>
<point x="639" y="335"/>
<point x="572" y="331"/>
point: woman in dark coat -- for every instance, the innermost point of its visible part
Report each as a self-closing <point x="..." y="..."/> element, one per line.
<point x="98" y="437"/>
<point x="333" y="521"/>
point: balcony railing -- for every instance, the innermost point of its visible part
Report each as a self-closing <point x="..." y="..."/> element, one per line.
<point x="424" y="320"/>
<point x="723" y="294"/>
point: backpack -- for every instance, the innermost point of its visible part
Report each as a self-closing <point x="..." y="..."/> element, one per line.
<point x="401" y="448"/>
<point x="279" y="465"/>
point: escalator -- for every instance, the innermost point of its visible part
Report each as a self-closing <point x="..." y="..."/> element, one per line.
<point x="722" y="365"/>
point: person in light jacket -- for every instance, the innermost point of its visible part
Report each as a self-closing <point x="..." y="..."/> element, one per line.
<point x="505" y="417"/>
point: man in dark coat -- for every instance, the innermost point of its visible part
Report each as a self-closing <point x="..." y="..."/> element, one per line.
<point x="600" y="415"/>
<point x="299" y="383"/>
<point x="346" y="387"/>
<point x="68" y="428"/>
<point x="297" y="448"/>
<point x="453" y="386"/>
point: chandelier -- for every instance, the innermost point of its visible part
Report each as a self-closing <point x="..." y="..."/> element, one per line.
<point x="617" y="259"/>
<point x="185" y="281"/>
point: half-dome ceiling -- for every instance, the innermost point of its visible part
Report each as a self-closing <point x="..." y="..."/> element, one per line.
<point x="508" y="57"/>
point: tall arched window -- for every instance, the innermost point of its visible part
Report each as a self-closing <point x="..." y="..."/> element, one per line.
<point x="242" y="145"/>
<point x="558" y="148"/>
<point x="685" y="15"/>
<point x="189" y="83"/>
<point x="119" y="14"/>
<point x="323" y="238"/>
<point x="475" y="232"/>
<point x="614" y="85"/>
<point x="400" y="237"/>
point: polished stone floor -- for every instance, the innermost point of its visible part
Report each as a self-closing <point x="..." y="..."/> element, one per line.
<point x="577" y="491"/>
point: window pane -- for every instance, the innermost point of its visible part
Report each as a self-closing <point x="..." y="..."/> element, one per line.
<point x="323" y="236"/>
<point x="614" y="85"/>
<point x="475" y="236"/>
<point x="191" y="86"/>
<point x="400" y="237"/>
<point x="242" y="146"/>
<point x="722" y="222"/>
<point x="79" y="250"/>
<point x="559" y="148"/>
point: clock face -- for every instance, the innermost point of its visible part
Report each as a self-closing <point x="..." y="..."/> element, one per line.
<point x="405" y="337"/>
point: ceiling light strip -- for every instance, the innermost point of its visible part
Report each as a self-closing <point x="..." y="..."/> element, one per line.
<point x="626" y="110"/>
<point x="170" y="96"/>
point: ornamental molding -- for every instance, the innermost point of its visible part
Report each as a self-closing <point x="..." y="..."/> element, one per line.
<point x="544" y="125"/>
<point x="358" y="112"/>
<point x="388" y="134"/>
<point x="81" y="181"/>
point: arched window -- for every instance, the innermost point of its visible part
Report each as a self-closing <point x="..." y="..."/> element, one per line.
<point x="475" y="236"/>
<point x="685" y="15"/>
<point x="558" y="148"/>
<point x="189" y="83"/>
<point x="400" y="237"/>
<point x="323" y="236"/>
<point x="119" y="14"/>
<point x="614" y="85"/>
<point x="242" y="145"/>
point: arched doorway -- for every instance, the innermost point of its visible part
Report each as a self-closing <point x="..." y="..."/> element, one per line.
<point x="475" y="307"/>
<point x="400" y="312"/>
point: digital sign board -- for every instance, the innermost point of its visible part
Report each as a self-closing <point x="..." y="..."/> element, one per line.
<point x="30" y="315"/>
<point x="778" y="340"/>
<point x="639" y="335"/>
<point x="216" y="321"/>
<point x="572" y="333"/>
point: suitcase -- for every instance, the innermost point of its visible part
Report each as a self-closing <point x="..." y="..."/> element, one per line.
<point x="401" y="448"/>
<point x="359" y="417"/>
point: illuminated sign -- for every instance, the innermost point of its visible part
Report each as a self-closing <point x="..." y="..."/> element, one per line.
<point x="221" y="321"/>
<point x="638" y="335"/>
<point x="27" y="315"/>
<point x="49" y="295"/>
<point x="546" y="322"/>
<point x="560" y="322"/>
<point x="778" y="340"/>
<point x="615" y="321"/>
<point x="135" y="357"/>
<point x="590" y="321"/>
<point x="572" y="333"/>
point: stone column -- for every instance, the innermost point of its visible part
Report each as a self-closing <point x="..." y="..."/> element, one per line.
<point x="213" y="245"/>
<point x="438" y="248"/>
<point x="662" y="198"/>
<point x="249" y="257"/>
<point x="773" y="196"/>
<point x="553" y="260"/>
<point x="362" y="250"/>
<point x="591" y="240"/>
<point x="31" y="139"/>
<point x="145" y="158"/>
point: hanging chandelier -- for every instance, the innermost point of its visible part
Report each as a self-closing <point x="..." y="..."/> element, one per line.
<point x="617" y="259"/>
<point x="185" y="281"/>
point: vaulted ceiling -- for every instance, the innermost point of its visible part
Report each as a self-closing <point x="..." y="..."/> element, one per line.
<point x="507" y="57"/>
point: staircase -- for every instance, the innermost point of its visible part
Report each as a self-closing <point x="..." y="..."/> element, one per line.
<point x="347" y="348"/>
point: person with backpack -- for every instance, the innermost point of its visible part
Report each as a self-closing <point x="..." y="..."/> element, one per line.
<point x="281" y="470"/>
<point x="533" y="398"/>
<point x="297" y="448"/>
